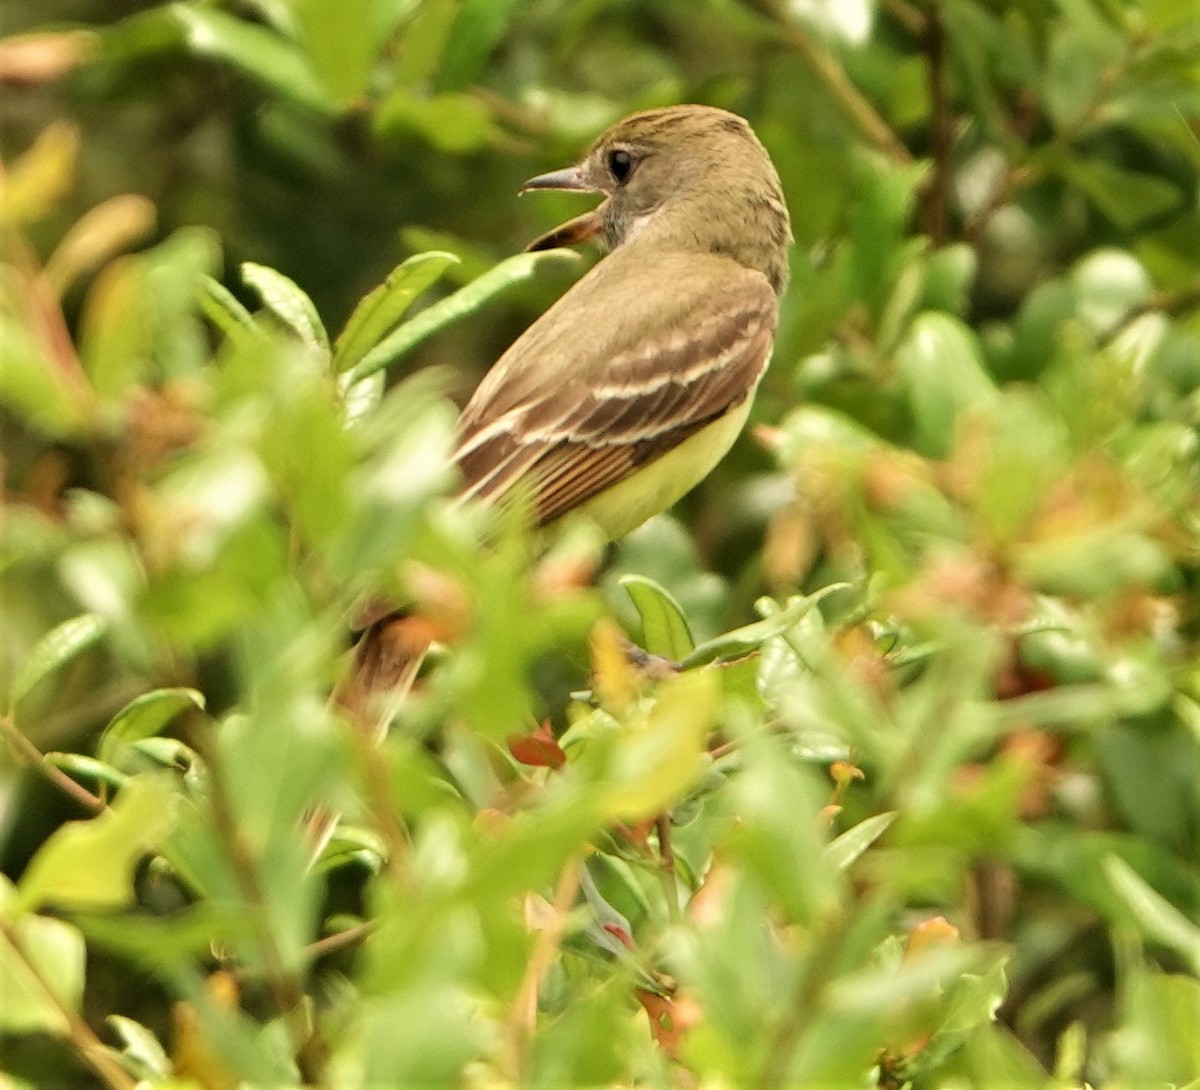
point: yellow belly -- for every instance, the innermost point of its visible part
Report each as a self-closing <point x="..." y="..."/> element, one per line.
<point x="657" y="486"/>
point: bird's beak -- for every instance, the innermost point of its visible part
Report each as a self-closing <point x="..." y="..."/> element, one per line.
<point x="581" y="228"/>
<point x="570" y="178"/>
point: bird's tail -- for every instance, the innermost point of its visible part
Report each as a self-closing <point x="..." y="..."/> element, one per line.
<point x="387" y="657"/>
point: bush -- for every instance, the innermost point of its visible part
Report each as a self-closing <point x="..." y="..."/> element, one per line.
<point x="921" y="806"/>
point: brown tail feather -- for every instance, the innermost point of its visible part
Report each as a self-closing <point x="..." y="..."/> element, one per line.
<point x="386" y="660"/>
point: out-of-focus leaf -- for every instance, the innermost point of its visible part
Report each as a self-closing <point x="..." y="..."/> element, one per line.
<point x="1126" y="197"/>
<point x="853" y="842"/>
<point x="67" y="869"/>
<point x="454" y="307"/>
<point x="144" y="717"/>
<point x="665" y="629"/>
<point x="40" y="178"/>
<point x="56" y="951"/>
<point x="291" y="305"/>
<point x="340" y="42"/>
<point x="224" y="310"/>
<point x="942" y="366"/>
<point x="661" y="755"/>
<point x="31" y="386"/>
<point x="1160" y="920"/>
<point x="101" y="232"/>
<point x="1109" y="284"/>
<point x="141" y="1046"/>
<point x="209" y="32"/>
<point x="479" y="25"/>
<point x="379" y="311"/>
<point x="453" y="122"/>
<point x="56" y="648"/>
<point x="424" y="41"/>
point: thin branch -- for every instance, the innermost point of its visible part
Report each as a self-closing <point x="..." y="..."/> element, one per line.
<point x="849" y="97"/>
<point x="286" y="992"/>
<point x="522" y="1015"/>
<point x="941" y="131"/>
<point x="34" y="758"/>
<point x="666" y="866"/>
<point x="89" y="1047"/>
<point x="908" y="16"/>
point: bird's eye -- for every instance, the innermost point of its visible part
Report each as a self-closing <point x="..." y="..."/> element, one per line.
<point x="620" y="165"/>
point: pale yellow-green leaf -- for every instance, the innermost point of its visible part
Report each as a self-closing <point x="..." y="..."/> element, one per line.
<point x="90" y="864"/>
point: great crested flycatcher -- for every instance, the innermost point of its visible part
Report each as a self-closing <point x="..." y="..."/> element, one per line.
<point x="627" y="392"/>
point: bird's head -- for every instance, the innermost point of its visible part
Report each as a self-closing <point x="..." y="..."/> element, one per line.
<point x="690" y="178"/>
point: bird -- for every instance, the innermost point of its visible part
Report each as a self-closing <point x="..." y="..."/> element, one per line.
<point x="633" y="385"/>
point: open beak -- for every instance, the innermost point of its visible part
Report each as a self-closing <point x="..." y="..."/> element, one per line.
<point x="581" y="228"/>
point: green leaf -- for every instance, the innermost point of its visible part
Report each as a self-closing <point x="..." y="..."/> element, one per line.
<point x="843" y="851"/>
<point x="205" y="31"/>
<point x="291" y="305"/>
<point x="463" y="302"/>
<point x="660" y="756"/>
<point x="90" y="864"/>
<point x="341" y="41"/>
<point x="424" y="41"/>
<point x="48" y="949"/>
<point x="379" y="311"/>
<point x="665" y="629"/>
<point x="1159" y="920"/>
<point x="453" y="122"/>
<point x="56" y="648"/>
<point x="143" y="717"/>
<point x="751" y="637"/>
<point x="141" y="1046"/>
<point x="224" y="310"/>
<point x="942" y="367"/>
<point x="1126" y="197"/>
<point x="31" y="386"/>
<point x="479" y="26"/>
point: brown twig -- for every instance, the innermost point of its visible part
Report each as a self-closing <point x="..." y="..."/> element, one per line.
<point x="286" y="992"/>
<point x="522" y="1015"/>
<point x="909" y="17"/>
<point x="850" y="98"/>
<point x="666" y="865"/>
<point x="88" y="1046"/>
<point x="941" y="131"/>
<point x="36" y="759"/>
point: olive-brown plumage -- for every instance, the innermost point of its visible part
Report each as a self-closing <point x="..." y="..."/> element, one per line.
<point x="630" y="388"/>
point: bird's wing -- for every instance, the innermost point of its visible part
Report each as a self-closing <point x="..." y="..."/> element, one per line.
<point x="614" y="376"/>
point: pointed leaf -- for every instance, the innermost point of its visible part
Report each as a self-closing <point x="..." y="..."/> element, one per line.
<point x="1157" y="917"/>
<point x="144" y="717"/>
<point x="55" y="649"/>
<point x="843" y="851"/>
<point x="377" y="314"/>
<point x="90" y="864"/>
<point x="289" y="303"/>
<point x="461" y="303"/>
<point x="56" y="951"/>
<point x="665" y="629"/>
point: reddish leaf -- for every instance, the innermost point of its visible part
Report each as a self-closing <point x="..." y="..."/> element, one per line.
<point x="538" y="748"/>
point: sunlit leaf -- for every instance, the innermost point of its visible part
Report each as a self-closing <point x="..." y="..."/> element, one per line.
<point x="453" y="308"/>
<point x="665" y="629"/>
<point x="291" y="305"/>
<point x="49" y="954"/>
<point x="90" y="864"/>
<point x="143" y="717"/>
<point x="378" y="312"/>
<point x="56" y="648"/>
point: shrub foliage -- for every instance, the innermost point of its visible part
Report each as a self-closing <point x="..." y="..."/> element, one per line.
<point x="907" y="792"/>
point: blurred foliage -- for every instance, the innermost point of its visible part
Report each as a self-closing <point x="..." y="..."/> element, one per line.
<point x="931" y="768"/>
